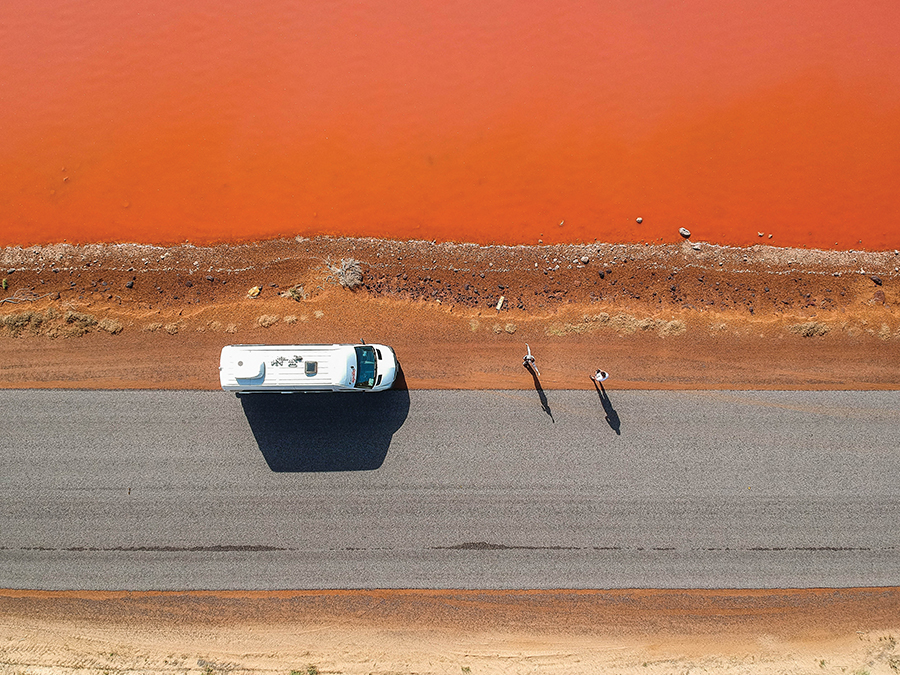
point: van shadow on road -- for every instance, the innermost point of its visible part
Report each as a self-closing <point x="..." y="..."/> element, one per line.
<point x="346" y="431"/>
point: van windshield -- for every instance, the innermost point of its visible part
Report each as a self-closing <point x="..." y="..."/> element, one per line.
<point x="365" y="367"/>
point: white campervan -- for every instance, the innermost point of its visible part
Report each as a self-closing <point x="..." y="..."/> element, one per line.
<point x="299" y="368"/>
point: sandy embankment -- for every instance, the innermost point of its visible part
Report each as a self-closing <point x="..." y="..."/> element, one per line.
<point x="826" y="631"/>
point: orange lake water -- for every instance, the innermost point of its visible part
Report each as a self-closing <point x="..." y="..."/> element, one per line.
<point x="496" y="121"/>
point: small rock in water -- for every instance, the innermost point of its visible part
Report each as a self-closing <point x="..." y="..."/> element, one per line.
<point x="696" y="247"/>
<point x="585" y="260"/>
<point x="759" y="234"/>
<point x="684" y="232"/>
<point x="640" y="220"/>
<point x="129" y="284"/>
<point x="878" y="297"/>
<point x="876" y="279"/>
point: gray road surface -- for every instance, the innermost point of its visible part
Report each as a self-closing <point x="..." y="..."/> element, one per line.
<point x="202" y="490"/>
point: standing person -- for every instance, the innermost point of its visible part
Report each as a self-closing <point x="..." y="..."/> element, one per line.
<point x="599" y="376"/>
<point x="528" y="361"/>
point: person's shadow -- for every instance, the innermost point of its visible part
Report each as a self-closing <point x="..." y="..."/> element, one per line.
<point x="540" y="390"/>
<point x="345" y="431"/>
<point x="612" y="417"/>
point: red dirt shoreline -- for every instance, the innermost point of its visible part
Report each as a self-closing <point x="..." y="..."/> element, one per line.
<point x="656" y="317"/>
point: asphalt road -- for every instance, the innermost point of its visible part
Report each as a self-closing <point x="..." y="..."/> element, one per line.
<point x="464" y="489"/>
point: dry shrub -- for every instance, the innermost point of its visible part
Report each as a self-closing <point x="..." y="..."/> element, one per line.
<point x="152" y="327"/>
<point x="231" y="328"/>
<point x="37" y="320"/>
<point x="650" y="324"/>
<point x="171" y="328"/>
<point x="348" y="274"/>
<point x="672" y="328"/>
<point x="111" y="326"/>
<point x="80" y="318"/>
<point x="78" y="323"/>
<point x="602" y="318"/>
<point x="290" y="318"/>
<point x="296" y="293"/>
<point x="18" y="322"/>
<point x="510" y="328"/>
<point x="624" y="324"/>
<point x="267" y="320"/>
<point x="215" y="326"/>
<point x="318" y="313"/>
<point x="809" y="329"/>
<point x="557" y="329"/>
<point x="51" y="324"/>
